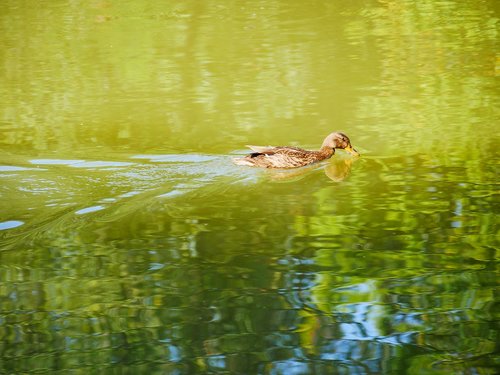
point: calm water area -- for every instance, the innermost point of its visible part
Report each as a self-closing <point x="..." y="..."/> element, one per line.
<point x="131" y="244"/>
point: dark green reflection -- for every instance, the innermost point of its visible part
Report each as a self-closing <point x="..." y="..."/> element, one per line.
<point x="257" y="277"/>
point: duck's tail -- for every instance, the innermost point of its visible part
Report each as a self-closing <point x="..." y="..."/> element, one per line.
<point x="243" y="161"/>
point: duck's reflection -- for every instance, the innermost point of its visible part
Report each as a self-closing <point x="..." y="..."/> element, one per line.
<point x="336" y="170"/>
<point x="339" y="170"/>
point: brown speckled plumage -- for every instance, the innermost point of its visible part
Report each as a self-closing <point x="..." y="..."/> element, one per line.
<point x="294" y="157"/>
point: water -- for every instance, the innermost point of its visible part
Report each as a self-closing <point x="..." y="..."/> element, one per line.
<point x="129" y="242"/>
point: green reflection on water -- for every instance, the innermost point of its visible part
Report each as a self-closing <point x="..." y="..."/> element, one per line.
<point x="130" y="243"/>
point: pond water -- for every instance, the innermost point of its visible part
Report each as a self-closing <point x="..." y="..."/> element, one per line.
<point x="130" y="243"/>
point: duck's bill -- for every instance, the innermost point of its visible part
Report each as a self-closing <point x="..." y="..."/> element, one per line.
<point x="352" y="151"/>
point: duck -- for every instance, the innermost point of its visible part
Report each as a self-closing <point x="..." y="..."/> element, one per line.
<point x="286" y="157"/>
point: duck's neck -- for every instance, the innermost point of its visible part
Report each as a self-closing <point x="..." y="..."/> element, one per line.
<point x="326" y="152"/>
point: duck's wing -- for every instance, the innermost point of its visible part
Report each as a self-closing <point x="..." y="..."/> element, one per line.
<point x="268" y="150"/>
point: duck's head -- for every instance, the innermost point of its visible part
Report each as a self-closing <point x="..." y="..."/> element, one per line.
<point x="339" y="140"/>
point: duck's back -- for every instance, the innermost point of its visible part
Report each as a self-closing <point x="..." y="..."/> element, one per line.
<point x="280" y="157"/>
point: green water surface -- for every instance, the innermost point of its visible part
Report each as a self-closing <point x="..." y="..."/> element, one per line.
<point x="130" y="243"/>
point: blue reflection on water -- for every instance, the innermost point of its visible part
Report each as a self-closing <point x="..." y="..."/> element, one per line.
<point x="10" y="224"/>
